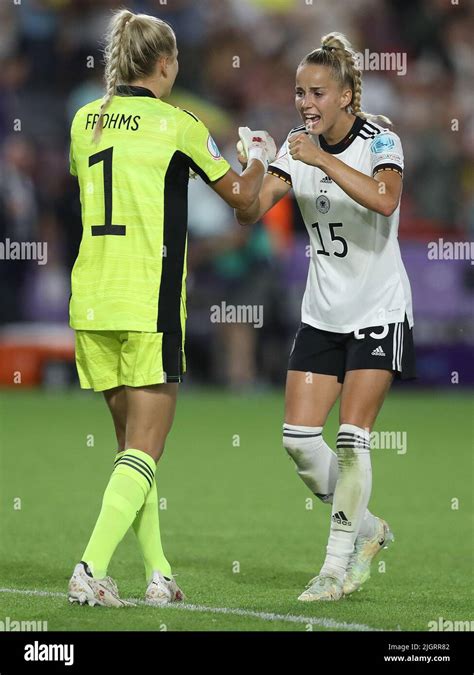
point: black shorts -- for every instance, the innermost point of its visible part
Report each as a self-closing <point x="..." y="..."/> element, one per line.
<point x="387" y="347"/>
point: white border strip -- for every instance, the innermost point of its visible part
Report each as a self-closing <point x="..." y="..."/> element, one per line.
<point x="264" y="616"/>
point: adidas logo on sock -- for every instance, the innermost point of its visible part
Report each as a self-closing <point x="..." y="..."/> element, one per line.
<point x="378" y="351"/>
<point x="341" y="518"/>
<point x="326" y="179"/>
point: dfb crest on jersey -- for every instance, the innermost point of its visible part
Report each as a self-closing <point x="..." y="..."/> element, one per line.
<point x="323" y="204"/>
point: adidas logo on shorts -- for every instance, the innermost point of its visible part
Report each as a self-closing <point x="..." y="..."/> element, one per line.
<point x="378" y="351"/>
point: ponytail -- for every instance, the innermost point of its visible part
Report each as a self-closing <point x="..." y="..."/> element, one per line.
<point x="134" y="43"/>
<point x="336" y="52"/>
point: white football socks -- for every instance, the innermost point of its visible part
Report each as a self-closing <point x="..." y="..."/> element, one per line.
<point x="351" y="496"/>
<point x="316" y="464"/>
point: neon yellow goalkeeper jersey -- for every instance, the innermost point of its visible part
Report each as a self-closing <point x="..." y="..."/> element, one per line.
<point x="131" y="268"/>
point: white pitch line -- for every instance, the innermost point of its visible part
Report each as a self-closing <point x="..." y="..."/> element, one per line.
<point x="264" y="616"/>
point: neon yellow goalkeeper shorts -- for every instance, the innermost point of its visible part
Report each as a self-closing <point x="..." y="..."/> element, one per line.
<point x="108" y="359"/>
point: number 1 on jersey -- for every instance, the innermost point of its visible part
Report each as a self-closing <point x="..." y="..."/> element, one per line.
<point x="99" y="230"/>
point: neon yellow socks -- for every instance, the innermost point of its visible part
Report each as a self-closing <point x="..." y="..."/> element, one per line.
<point x="147" y="529"/>
<point x="131" y="481"/>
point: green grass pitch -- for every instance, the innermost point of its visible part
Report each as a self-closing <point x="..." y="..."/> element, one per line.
<point x="237" y="527"/>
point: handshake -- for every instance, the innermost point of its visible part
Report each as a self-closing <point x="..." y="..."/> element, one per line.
<point x="256" y="145"/>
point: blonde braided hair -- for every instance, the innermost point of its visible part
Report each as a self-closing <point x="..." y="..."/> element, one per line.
<point x="337" y="53"/>
<point x="133" y="44"/>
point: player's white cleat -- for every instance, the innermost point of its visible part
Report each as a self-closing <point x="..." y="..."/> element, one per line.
<point x="365" y="550"/>
<point x="83" y="588"/>
<point x="162" y="590"/>
<point x="322" y="587"/>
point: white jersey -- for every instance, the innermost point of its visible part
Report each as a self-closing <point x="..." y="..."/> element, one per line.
<point x="356" y="276"/>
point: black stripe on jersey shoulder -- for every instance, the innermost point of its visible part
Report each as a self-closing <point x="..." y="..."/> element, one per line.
<point x="367" y="134"/>
<point x="190" y="113"/>
<point x="388" y="166"/>
<point x="369" y="131"/>
<point x="372" y="127"/>
<point x="302" y="127"/>
<point x="279" y="173"/>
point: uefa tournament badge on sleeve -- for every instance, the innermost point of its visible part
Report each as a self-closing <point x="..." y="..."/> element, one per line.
<point x="212" y="147"/>
<point x="382" y="143"/>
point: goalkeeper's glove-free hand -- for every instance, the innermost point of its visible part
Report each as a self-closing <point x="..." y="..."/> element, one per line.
<point x="257" y="145"/>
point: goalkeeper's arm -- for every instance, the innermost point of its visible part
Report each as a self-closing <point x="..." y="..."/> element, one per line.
<point x="240" y="192"/>
<point x="272" y="189"/>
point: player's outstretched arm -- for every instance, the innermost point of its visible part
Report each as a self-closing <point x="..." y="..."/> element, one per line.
<point x="240" y="192"/>
<point x="273" y="189"/>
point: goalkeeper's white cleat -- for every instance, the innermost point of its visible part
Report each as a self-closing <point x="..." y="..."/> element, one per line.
<point x="162" y="590"/>
<point x="83" y="588"/>
<point x="322" y="587"/>
<point x="365" y="550"/>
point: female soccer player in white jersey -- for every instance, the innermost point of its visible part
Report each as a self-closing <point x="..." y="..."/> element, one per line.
<point x="132" y="154"/>
<point x="356" y="331"/>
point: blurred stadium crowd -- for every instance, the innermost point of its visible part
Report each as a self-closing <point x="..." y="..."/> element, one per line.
<point x="237" y="65"/>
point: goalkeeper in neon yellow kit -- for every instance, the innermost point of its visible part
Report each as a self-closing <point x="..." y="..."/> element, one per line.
<point x="132" y="154"/>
